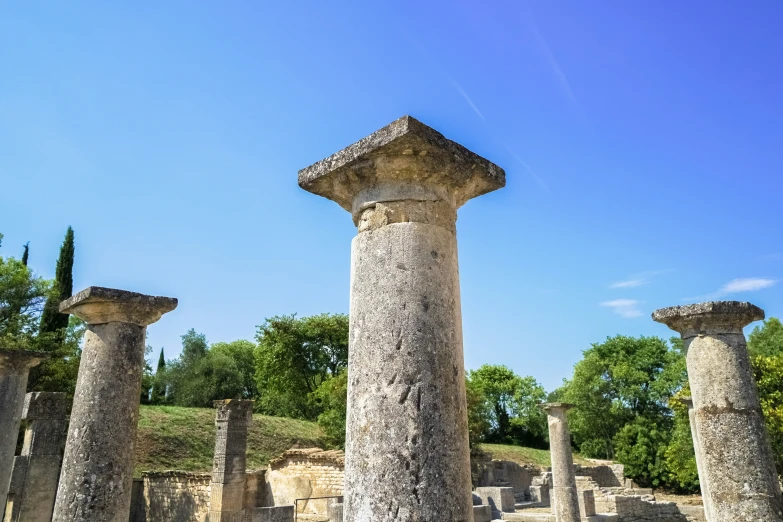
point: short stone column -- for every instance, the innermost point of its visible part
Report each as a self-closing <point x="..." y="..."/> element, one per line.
<point x="232" y="419"/>
<point x="97" y="471"/>
<point x="14" y="369"/>
<point x="407" y="455"/>
<point x="37" y="468"/>
<point x="730" y="435"/>
<point x="705" y="495"/>
<point x="565" y="501"/>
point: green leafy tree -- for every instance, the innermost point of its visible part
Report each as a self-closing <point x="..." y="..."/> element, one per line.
<point x="294" y="356"/>
<point x="26" y="253"/>
<point x="510" y="405"/>
<point x="52" y="321"/>
<point x="59" y="372"/>
<point x="680" y="455"/>
<point x="203" y="374"/>
<point x="22" y="298"/>
<point x="621" y="389"/>
<point x="767" y="338"/>
<point x="331" y="398"/>
<point x="479" y="412"/>
<point x="243" y="353"/>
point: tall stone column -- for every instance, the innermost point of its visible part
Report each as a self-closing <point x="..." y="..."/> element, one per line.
<point x="14" y="369"/>
<point x="97" y="471"/>
<point x="407" y="456"/>
<point x="565" y="501"/>
<point x="705" y="495"/>
<point x="37" y="469"/>
<point x="232" y="420"/>
<point x="735" y="452"/>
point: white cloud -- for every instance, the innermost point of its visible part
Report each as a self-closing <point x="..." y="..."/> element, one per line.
<point x="746" y="285"/>
<point x="735" y="286"/>
<point x="630" y="283"/>
<point x="624" y="307"/>
<point x="638" y="279"/>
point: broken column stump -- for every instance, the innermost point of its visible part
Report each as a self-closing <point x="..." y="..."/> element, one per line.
<point x="37" y="469"/>
<point x="14" y="369"/>
<point x="232" y="419"/>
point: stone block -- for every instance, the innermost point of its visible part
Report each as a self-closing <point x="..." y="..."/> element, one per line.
<point x="336" y="512"/>
<point x="482" y="514"/>
<point x="499" y="499"/>
<point x="540" y="494"/>
<point x="273" y="514"/>
<point x="586" y="499"/>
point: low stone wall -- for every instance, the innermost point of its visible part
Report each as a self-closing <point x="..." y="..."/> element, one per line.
<point x="637" y="509"/>
<point x="176" y="496"/>
<point x="179" y="496"/>
<point x="501" y="473"/>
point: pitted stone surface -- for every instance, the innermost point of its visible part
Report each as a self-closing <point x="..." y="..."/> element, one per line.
<point x="405" y="150"/>
<point x="97" y="471"/>
<point x="14" y="369"/>
<point x="232" y="419"/>
<point x="37" y="469"/>
<point x="273" y="514"/>
<point x="407" y="455"/>
<point x="703" y="477"/>
<point x="736" y="456"/>
<point x="97" y="305"/>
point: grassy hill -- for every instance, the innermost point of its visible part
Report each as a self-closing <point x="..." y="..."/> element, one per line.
<point x="171" y="437"/>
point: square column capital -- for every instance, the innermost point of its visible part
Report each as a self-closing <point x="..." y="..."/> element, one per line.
<point x="406" y="160"/>
<point x="709" y="317"/>
<point x="99" y="305"/>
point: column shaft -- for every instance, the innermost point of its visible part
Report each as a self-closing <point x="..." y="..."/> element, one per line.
<point x="14" y="369"/>
<point x="730" y="437"/>
<point x="228" y="470"/>
<point x="737" y="458"/>
<point x="42" y="454"/>
<point x="565" y="502"/>
<point x="97" y="471"/>
<point x="407" y="455"/>
<point x="705" y="495"/>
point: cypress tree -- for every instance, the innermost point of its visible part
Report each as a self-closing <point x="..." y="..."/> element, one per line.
<point x="159" y="387"/>
<point x="51" y="318"/>
<point x="26" y="253"/>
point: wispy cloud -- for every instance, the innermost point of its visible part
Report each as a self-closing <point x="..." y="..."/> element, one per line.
<point x="627" y="308"/>
<point x="467" y="99"/>
<point x="636" y="280"/>
<point x="746" y="285"/>
<point x="538" y="179"/>
<point x="562" y="79"/>
<point x="737" y="286"/>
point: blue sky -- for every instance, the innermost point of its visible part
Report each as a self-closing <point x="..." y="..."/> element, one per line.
<point x="642" y="142"/>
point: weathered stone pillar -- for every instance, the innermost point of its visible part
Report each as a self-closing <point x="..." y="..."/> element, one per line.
<point x="565" y="501"/>
<point x="14" y="369"/>
<point x="37" y="469"/>
<point x="232" y="419"/>
<point x="735" y="452"/>
<point x="97" y="471"/>
<point x="407" y="455"/>
<point x="705" y="495"/>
